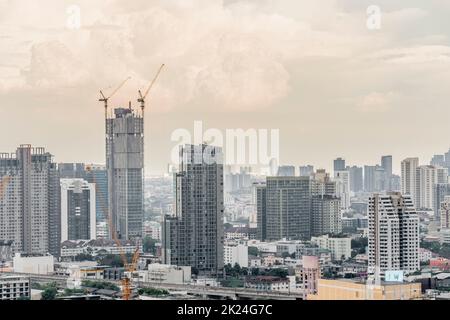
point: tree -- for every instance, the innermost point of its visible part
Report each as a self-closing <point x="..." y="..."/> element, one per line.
<point x="253" y="251"/>
<point x="149" y="245"/>
<point x="49" y="293"/>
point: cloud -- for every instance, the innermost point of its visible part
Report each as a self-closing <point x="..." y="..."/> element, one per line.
<point x="376" y="102"/>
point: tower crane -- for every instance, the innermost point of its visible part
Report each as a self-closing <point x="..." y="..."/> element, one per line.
<point x="106" y="99"/>
<point x="142" y="98"/>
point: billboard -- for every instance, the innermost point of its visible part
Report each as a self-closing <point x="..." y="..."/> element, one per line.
<point x="394" y="276"/>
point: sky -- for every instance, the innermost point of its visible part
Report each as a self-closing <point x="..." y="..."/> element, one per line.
<point x="311" y="69"/>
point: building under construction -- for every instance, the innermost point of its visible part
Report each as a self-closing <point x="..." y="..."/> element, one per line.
<point x="125" y="166"/>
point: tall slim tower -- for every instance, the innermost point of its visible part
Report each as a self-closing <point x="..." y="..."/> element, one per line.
<point x="409" y="173"/>
<point x="125" y="166"/>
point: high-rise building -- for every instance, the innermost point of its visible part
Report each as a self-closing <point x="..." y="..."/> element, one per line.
<point x="125" y="165"/>
<point x="342" y="179"/>
<point x="98" y="175"/>
<point x="339" y="164"/>
<point x="261" y="205"/>
<point x="286" y="209"/>
<point x="408" y="177"/>
<point x="447" y="160"/>
<point x="78" y="213"/>
<point x="426" y="179"/>
<point x="325" y="215"/>
<point x="306" y="171"/>
<point x="442" y="175"/>
<point x="445" y="213"/>
<point x="386" y="164"/>
<point x="356" y="178"/>
<point x="393" y="234"/>
<point x="286" y="171"/>
<point x="71" y="170"/>
<point x="441" y="191"/>
<point x="194" y="235"/>
<point x="29" y="201"/>
<point x="438" y="160"/>
<point x="374" y="178"/>
<point x="322" y="184"/>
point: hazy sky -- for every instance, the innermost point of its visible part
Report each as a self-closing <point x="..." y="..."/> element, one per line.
<point x="309" y="68"/>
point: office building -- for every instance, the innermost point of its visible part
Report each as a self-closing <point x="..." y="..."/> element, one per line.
<point x="194" y="235"/>
<point x="125" y="165"/>
<point x="408" y="177"/>
<point x="78" y="214"/>
<point x="386" y="164"/>
<point x="71" y="170"/>
<point x="445" y="213"/>
<point x="339" y="164"/>
<point x="356" y="179"/>
<point x="393" y="234"/>
<point x="374" y="179"/>
<point x="261" y="208"/>
<point x="441" y="190"/>
<point x="325" y="215"/>
<point x="438" y="160"/>
<point x="286" y="171"/>
<point x="286" y="209"/>
<point x="29" y="205"/>
<point x="98" y="175"/>
<point x="306" y="171"/>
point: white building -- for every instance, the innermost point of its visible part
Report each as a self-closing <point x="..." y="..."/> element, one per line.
<point x="408" y="177"/>
<point x="14" y="287"/>
<point x="162" y="273"/>
<point x="235" y="253"/>
<point x="425" y="255"/>
<point x="339" y="247"/>
<point x="342" y="179"/>
<point x="426" y="179"/>
<point x="393" y="234"/>
<point x="94" y="247"/>
<point x="78" y="210"/>
<point x="268" y="283"/>
<point x="33" y="264"/>
<point x="152" y="229"/>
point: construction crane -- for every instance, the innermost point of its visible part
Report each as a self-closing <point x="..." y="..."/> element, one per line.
<point x="142" y="98"/>
<point x="129" y="267"/>
<point x="106" y="99"/>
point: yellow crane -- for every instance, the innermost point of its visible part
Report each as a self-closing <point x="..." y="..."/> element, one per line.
<point x="106" y="99"/>
<point x="142" y="98"/>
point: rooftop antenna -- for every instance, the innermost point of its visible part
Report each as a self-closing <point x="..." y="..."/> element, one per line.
<point x="143" y="97"/>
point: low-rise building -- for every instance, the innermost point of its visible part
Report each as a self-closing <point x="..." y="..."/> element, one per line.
<point x="356" y="290"/>
<point x="14" y="287"/>
<point x="340" y="247"/>
<point x="267" y="283"/>
<point x="235" y="253"/>
<point x="162" y="273"/>
<point x="71" y="249"/>
<point x="34" y="264"/>
<point x="425" y="255"/>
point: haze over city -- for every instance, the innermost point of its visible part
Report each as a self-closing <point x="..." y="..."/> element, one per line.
<point x="331" y="86"/>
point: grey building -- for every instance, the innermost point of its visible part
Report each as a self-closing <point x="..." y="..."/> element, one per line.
<point x="98" y="175"/>
<point x="374" y="179"/>
<point x="386" y="164"/>
<point x="441" y="190"/>
<point x="261" y="192"/>
<point x="356" y="178"/>
<point x="78" y="216"/>
<point x="194" y="235"/>
<point x="71" y="170"/>
<point x="29" y="202"/>
<point x="306" y="171"/>
<point x="286" y="171"/>
<point x="339" y="164"/>
<point x="285" y="213"/>
<point x="438" y="160"/>
<point x="325" y="215"/>
<point x="125" y="165"/>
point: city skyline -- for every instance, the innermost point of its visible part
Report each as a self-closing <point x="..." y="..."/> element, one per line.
<point x="368" y="79"/>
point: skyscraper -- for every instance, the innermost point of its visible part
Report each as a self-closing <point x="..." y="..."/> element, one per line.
<point x="98" y="175"/>
<point x="78" y="214"/>
<point x="71" y="170"/>
<point x="386" y="164"/>
<point x="339" y="164"/>
<point x="194" y="235"/>
<point x="125" y="165"/>
<point x="408" y="177"/>
<point x="393" y="234"/>
<point x="29" y="201"/>
<point x="261" y="215"/>
<point x="438" y="160"/>
<point x="441" y="191"/>
<point x="447" y="160"/>
<point x="306" y="171"/>
<point x="325" y="215"/>
<point x="342" y="179"/>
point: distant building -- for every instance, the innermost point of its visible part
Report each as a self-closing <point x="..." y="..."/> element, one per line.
<point x="71" y="170"/>
<point x="386" y="164"/>
<point x="408" y="177"/>
<point x="78" y="210"/>
<point x="426" y="179"/>
<point x="235" y="253"/>
<point x="70" y="249"/>
<point x="356" y="178"/>
<point x="342" y="179"/>
<point x="306" y="171"/>
<point x="325" y="215"/>
<point x="445" y="213"/>
<point x="98" y="175"/>
<point x="339" y="164"/>
<point x="441" y="191"/>
<point x="286" y="171"/>
<point x="393" y="234"/>
<point x="340" y="248"/>
<point x="267" y="283"/>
